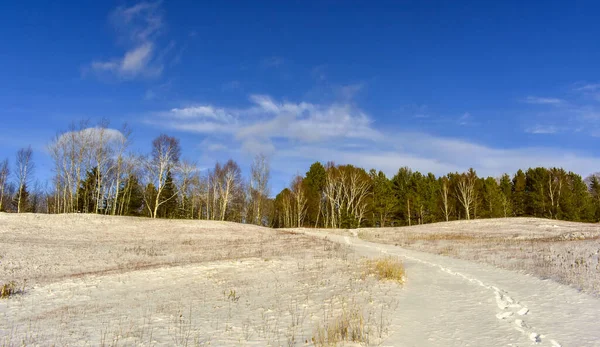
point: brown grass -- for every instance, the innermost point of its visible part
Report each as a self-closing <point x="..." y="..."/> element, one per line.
<point x="9" y="289"/>
<point x="386" y="269"/>
<point x="348" y="326"/>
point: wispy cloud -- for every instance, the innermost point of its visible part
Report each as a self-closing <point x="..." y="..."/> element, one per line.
<point x="543" y="101"/>
<point x="138" y="28"/>
<point x="542" y="129"/>
<point x="577" y="111"/>
<point x="588" y="90"/>
<point x="465" y="119"/>
<point x="266" y="120"/>
<point x="589" y="87"/>
<point x="297" y="133"/>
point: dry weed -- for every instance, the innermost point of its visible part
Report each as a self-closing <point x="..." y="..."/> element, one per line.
<point x="9" y="289"/>
<point x="388" y="268"/>
<point x="348" y="326"/>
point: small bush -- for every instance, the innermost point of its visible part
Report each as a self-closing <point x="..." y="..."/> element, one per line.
<point x="349" y="326"/>
<point x="8" y="289"/>
<point x="388" y="268"/>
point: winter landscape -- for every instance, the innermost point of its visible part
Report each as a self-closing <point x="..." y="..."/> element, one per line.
<point x="122" y="281"/>
<point x="299" y="173"/>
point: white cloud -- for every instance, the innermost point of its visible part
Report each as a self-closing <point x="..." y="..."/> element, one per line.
<point x="296" y="134"/>
<point x="267" y="119"/>
<point x="136" y="59"/>
<point x="138" y="28"/>
<point x="199" y="112"/>
<point x="591" y="87"/>
<point x="589" y="90"/>
<point x="427" y="153"/>
<point x="542" y="129"/>
<point x="348" y="92"/>
<point x="464" y="119"/>
<point x="92" y="135"/>
<point x="543" y="101"/>
<point x="212" y="146"/>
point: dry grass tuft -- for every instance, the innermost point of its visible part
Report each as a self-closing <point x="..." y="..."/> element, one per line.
<point x="9" y="289"/>
<point x="348" y="326"/>
<point x="388" y="268"/>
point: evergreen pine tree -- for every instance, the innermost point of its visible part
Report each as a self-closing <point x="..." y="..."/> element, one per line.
<point x="150" y="194"/>
<point x="594" y="189"/>
<point x="401" y="185"/>
<point x="506" y="199"/>
<point x="518" y="193"/>
<point x="168" y="209"/>
<point x="314" y="182"/>
<point x="24" y="193"/>
<point x="384" y="203"/>
<point x="87" y="192"/>
<point x="134" y="197"/>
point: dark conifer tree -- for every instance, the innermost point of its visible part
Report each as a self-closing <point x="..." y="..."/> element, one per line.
<point x="25" y="203"/>
<point x="518" y="193"/>
<point x="169" y="209"/>
<point x="314" y="182"/>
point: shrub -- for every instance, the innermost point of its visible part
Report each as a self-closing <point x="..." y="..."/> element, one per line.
<point x="388" y="268"/>
<point x="349" y="326"/>
<point x="8" y="289"/>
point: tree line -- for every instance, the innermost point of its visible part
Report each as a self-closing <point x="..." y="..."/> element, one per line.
<point x="95" y="171"/>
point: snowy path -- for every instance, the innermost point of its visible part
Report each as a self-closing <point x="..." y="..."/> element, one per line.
<point x="451" y="302"/>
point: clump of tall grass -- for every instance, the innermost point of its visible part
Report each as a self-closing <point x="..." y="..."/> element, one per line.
<point x="9" y="289"/>
<point x="348" y="326"/>
<point x="388" y="268"/>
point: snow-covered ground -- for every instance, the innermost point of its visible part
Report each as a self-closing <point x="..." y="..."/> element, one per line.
<point x="452" y="302"/>
<point x="566" y="252"/>
<point x="96" y="280"/>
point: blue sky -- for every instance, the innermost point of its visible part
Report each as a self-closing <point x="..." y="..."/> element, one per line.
<point x="437" y="86"/>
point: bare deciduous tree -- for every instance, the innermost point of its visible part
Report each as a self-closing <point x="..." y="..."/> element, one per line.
<point x="259" y="186"/>
<point x="228" y="182"/>
<point x="120" y="166"/>
<point x="187" y="173"/>
<point x="299" y="196"/>
<point x="555" y="187"/>
<point x="164" y="158"/>
<point x="445" y="191"/>
<point x="465" y="190"/>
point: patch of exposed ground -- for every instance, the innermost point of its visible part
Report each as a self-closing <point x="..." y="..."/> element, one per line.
<point x="108" y="281"/>
<point x="563" y="251"/>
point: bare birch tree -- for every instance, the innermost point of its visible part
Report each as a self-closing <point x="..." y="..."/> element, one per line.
<point x="187" y="172"/>
<point x="164" y="158"/>
<point x="445" y="191"/>
<point x="556" y="177"/>
<point x="259" y="186"/>
<point x="465" y="190"/>
<point x="228" y="183"/>
<point x="299" y="196"/>
<point x="120" y="166"/>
